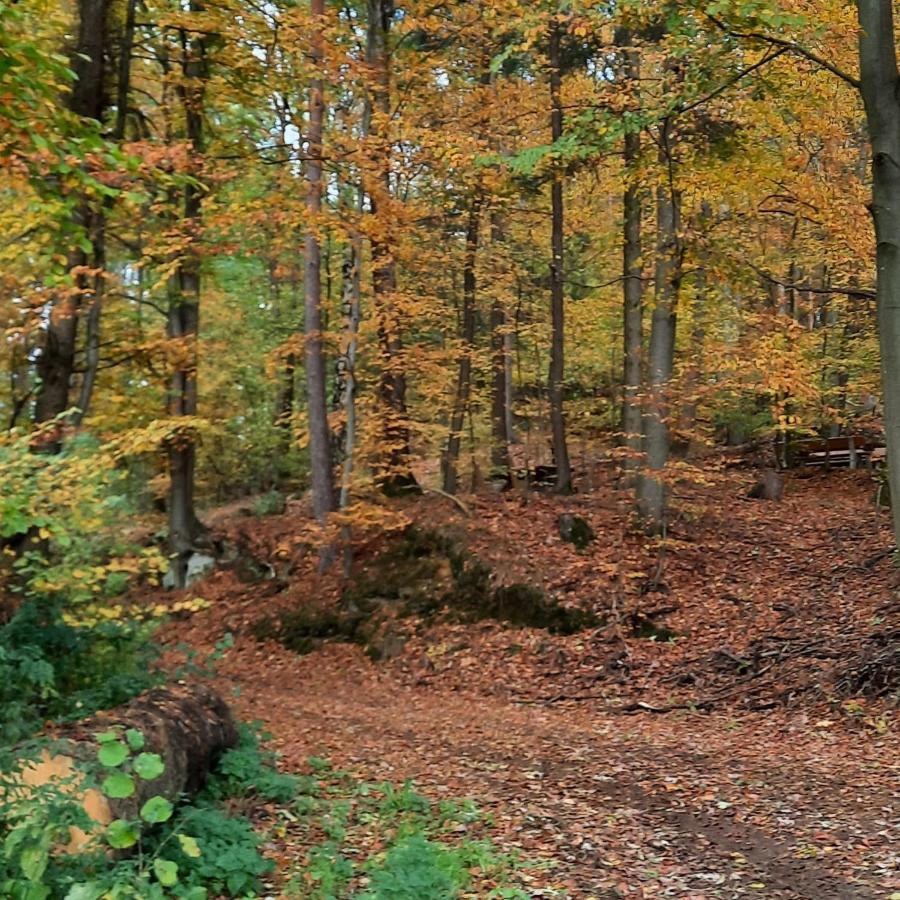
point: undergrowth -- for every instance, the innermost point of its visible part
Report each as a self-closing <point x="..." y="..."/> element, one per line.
<point x="365" y="841"/>
<point x="192" y="850"/>
<point x="51" y="669"/>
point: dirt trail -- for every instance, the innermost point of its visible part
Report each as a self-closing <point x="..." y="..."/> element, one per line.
<point x="682" y="806"/>
<point x="779" y="791"/>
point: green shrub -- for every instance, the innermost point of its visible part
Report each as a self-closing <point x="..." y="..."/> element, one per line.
<point x="415" y="868"/>
<point x="421" y="849"/>
<point x="192" y="852"/>
<point x="51" y="669"/>
<point x="229" y="863"/>
<point x="248" y="770"/>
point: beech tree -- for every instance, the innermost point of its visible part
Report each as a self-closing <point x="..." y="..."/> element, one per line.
<point x="878" y="82"/>
<point x="316" y="403"/>
<point x="55" y="366"/>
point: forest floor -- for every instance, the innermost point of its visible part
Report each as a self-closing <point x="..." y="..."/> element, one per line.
<point x="745" y="751"/>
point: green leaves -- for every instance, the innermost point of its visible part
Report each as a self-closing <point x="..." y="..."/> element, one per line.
<point x="112" y="754"/>
<point x="149" y="766"/>
<point x="189" y="846"/>
<point x="156" y="810"/>
<point x="135" y="739"/>
<point x="121" y="834"/>
<point x="166" y="872"/>
<point x="33" y="861"/>
<point x="118" y="786"/>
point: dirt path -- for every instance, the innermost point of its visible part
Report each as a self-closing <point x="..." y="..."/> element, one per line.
<point x="684" y="806"/>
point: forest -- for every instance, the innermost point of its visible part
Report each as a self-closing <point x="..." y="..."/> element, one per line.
<point x="447" y="449"/>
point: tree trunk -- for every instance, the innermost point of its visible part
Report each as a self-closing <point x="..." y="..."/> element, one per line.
<point x="464" y="378"/>
<point x="316" y="400"/>
<point x="500" y="374"/>
<point x="632" y="280"/>
<point x="393" y="472"/>
<point x="352" y="315"/>
<point x="694" y="372"/>
<point x="651" y="494"/>
<point x="56" y="363"/>
<point x="557" y="299"/>
<point x="183" y="320"/>
<point x="98" y="236"/>
<point x="188" y="726"/>
<point x="879" y="84"/>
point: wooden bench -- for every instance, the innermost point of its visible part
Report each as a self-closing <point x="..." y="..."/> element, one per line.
<point x="847" y="451"/>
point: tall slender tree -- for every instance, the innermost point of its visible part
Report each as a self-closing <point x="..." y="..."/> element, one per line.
<point x="464" y="375"/>
<point x="879" y="82"/>
<point x="184" y="305"/>
<point x="632" y="268"/>
<point x="394" y="475"/>
<point x="316" y="400"/>
<point x="557" y="274"/>
<point x="651" y="488"/>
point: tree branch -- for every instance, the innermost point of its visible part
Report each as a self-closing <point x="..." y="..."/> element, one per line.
<point x="789" y="46"/>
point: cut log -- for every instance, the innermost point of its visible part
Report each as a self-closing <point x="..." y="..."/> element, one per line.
<point x="188" y="726"/>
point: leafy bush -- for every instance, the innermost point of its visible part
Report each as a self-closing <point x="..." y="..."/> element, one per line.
<point x="60" y="526"/>
<point x="416" y="867"/>
<point x="52" y="669"/>
<point x="229" y="862"/>
<point x="191" y="852"/>
<point x="247" y="770"/>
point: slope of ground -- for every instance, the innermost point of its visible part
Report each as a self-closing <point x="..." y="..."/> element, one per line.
<point x="760" y="779"/>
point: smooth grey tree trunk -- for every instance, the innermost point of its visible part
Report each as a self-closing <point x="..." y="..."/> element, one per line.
<point x="651" y="493"/>
<point x="632" y="276"/>
<point x="557" y="281"/>
<point x="694" y="371"/>
<point x="316" y="399"/>
<point x="879" y="84"/>
<point x="184" y="319"/>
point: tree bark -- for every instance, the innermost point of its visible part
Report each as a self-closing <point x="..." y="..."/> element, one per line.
<point x="188" y="726"/>
<point x="879" y="82"/>
<point x="183" y="319"/>
<point x="98" y="237"/>
<point x="56" y="363"/>
<point x="316" y="400"/>
<point x="557" y="298"/>
<point x="500" y="373"/>
<point x="464" y="377"/>
<point x="651" y="494"/>
<point x="632" y="276"/>
<point x="393" y="471"/>
<point x="694" y="371"/>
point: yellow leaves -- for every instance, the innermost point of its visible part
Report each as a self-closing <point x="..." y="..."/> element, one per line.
<point x="193" y="605"/>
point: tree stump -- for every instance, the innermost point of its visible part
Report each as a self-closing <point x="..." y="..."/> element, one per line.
<point x="188" y="726"/>
<point x="769" y="486"/>
<point x="575" y="530"/>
